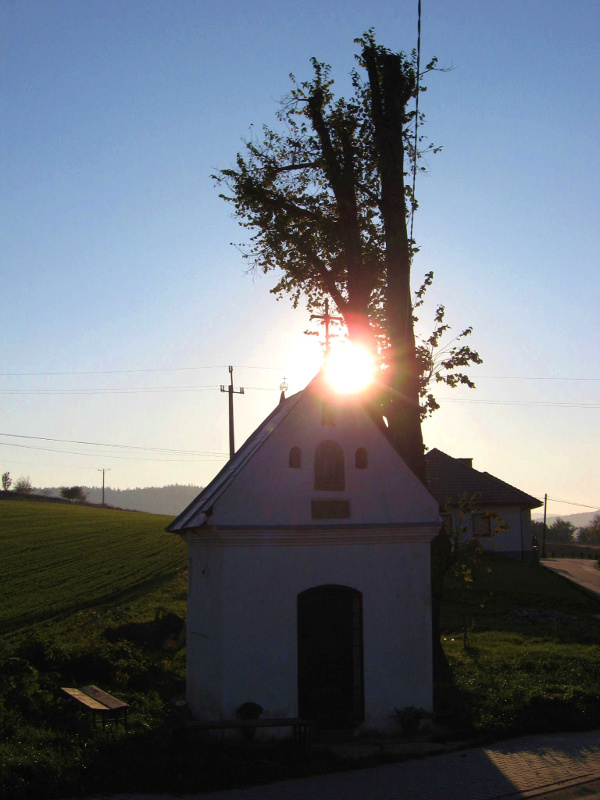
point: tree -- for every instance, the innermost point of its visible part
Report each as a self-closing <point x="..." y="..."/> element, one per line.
<point x="537" y="531"/>
<point x="73" y="493"/>
<point x="6" y="481"/>
<point x="328" y="203"/>
<point x="23" y="486"/>
<point x="437" y="363"/>
<point x="591" y="533"/>
<point x="465" y="551"/>
<point x="561" y="531"/>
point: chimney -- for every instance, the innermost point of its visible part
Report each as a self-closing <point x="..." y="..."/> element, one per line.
<point x="468" y="462"/>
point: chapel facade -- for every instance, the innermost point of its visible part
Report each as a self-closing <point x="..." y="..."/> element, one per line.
<point x="309" y="572"/>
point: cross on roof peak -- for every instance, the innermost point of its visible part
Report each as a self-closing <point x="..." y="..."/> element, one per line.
<point x="326" y="320"/>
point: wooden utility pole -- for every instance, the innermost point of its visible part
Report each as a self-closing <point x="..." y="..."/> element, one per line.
<point x="103" y="471"/>
<point x="231" y="391"/>
<point x="544" y="532"/>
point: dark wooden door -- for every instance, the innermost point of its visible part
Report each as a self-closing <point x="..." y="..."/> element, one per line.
<point x="330" y="657"/>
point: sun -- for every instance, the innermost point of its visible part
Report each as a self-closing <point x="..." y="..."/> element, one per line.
<point x="349" y="369"/>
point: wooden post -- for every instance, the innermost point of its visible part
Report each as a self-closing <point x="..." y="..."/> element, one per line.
<point x="231" y="391"/>
<point x="544" y="531"/>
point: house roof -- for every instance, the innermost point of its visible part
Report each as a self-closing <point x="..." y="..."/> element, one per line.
<point x="452" y="477"/>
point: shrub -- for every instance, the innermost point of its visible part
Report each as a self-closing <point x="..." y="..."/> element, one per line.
<point x="23" y="487"/>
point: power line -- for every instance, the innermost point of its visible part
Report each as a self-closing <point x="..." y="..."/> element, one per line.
<point x="255" y="367"/>
<point x="105" y="455"/>
<point x="530" y="378"/>
<point x="128" y="390"/>
<point x="569" y="503"/>
<point x="519" y="402"/>
<point x="72" y="467"/>
<point x="132" y="371"/>
<point x="124" y="390"/>
<point x="125" y="446"/>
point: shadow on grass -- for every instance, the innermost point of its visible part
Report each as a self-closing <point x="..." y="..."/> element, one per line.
<point x="449" y="703"/>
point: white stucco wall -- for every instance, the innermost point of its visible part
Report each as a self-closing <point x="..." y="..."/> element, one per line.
<point x="242" y="623"/>
<point x="272" y="493"/>
<point x="257" y="548"/>
<point x="514" y="540"/>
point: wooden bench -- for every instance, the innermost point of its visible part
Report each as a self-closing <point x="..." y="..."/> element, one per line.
<point x="302" y="728"/>
<point x="99" y="703"/>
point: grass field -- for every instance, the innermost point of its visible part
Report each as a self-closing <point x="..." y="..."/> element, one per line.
<point x="58" y="559"/>
<point x="520" y="672"/>
<point x="72" y="575"/>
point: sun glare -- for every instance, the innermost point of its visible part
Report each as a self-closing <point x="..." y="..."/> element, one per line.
<point x="350" y="369"/>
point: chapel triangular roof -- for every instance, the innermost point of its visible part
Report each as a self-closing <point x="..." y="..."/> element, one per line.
<point x="449" y="477"/>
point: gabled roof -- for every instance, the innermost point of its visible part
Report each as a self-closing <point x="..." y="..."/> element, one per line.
<point x="451" y="477"/>
<point x="196" y="513"/>
<point x="253" y="490"/>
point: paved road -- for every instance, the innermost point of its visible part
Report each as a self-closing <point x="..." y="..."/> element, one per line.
<point x="561" y="766"/>
<point x="579" y="571"/>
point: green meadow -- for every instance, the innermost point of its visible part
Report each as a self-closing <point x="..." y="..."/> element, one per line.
<point x="522" y="650"/>
<point x="58" y="559"/>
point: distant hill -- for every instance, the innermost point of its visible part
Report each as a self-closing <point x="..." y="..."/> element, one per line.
<point x="578" y="520"/>
<point x="171" y="500"/>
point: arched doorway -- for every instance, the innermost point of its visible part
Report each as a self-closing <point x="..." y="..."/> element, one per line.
<point x="330" y="656"/>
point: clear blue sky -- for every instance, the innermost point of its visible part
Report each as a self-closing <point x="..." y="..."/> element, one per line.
<point x="115" y="248"/>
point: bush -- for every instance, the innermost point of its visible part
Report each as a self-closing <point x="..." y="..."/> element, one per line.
<point x="73" y="493"/>
<point x="23" y="487"/>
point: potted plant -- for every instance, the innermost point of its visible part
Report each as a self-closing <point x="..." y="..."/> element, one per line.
<point x="249" y="711"/>
<point x="410" y="718"/>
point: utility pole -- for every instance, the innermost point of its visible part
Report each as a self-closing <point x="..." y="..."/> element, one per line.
<point x="103" y="471"/>
<point x="231" y="391"/>
<point x="544" y="532"/>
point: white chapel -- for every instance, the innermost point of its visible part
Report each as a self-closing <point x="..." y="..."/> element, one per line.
<point x="309" y="572"/>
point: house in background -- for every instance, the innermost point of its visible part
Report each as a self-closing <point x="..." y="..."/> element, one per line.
<point x="309" y="572"/>
<point x="448" y="478"/>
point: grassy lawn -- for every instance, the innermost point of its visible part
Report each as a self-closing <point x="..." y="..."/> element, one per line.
<point x="520" y="671"/>
<point x="58" y="558"/>
<point x="74" y="576"/>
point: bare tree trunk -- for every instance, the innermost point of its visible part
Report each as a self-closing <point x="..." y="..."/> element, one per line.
<point x="391" y="89"/>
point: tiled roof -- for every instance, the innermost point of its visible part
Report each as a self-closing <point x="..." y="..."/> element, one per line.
<point x="451" y="477"/>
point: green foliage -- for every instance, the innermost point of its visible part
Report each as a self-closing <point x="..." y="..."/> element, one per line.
<point x="439" y="363"/>
<point x="326" y="199"/>
<point x="561" y="531"/>
<point x="311" y="193"/>
<point x="512" y="678"/>
<point x="73" y="493"/>
<point x="537" y="530"/>
<point x="6" y="481"/>
<point x="48" y="747"/>
<point x="23" y="486"/>
<point x="466" y="551"/>
<point x="516" y="675"/>
<point x="591" y="533"/>
<point x="80" y="557"/>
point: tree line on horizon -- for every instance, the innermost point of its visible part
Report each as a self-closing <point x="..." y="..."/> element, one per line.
<point x="562" y="531"/>
<point x="170" y="499"/>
